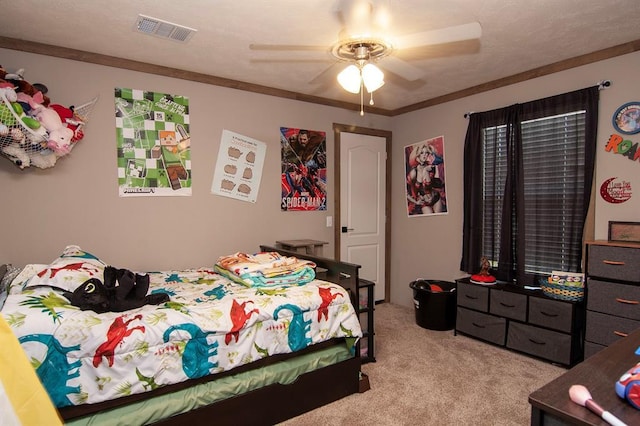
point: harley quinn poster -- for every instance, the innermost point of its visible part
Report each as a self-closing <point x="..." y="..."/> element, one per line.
<point x="425" y="183"/>
<point x="304" y="169"/>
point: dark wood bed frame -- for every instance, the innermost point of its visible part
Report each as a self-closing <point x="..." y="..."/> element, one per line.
<point x="274" y="403"/>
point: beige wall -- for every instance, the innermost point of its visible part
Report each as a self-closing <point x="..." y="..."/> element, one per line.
<point x="77" y="201"/>
<point x="430" y="247"/>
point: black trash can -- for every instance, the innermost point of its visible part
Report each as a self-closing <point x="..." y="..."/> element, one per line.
<point x="435" y="303"/>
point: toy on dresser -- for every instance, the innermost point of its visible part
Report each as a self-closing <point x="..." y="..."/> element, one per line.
<point x="483" y="277"/>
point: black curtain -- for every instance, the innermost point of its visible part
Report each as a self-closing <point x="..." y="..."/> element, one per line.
<point x="512" y="245"/>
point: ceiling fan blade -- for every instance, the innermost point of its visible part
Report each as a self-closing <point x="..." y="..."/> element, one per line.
<point x="359" y="18"/>
<point x="288" y="61"/>
<point x="469" y="31"/>
<point x="402" y="68"/>
<point x="287" y="47"/>
<point x="394" y="79"/>
<point x="324" y="75"/>
<point x="355" y="15"/>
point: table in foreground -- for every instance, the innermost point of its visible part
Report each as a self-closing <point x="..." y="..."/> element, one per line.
<point x="551" y="405"/>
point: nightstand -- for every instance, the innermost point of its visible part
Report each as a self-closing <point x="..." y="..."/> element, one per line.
<point x="366" y="306"/>
<point x="312" y="247"/>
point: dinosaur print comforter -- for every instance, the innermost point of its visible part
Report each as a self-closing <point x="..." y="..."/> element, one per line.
<point x="210" y="325"/>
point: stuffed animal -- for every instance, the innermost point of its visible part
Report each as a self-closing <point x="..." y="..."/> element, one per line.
<point x="69" y="118"/>
<point x="122" y="290"/>
<point x="17" y="155"/>
<point x="43" y="159"/>
<point x="23" y="86"/>
<point x="29" y="102"/>
<point x="8" y="91"/>
<point x="59" y="134"/>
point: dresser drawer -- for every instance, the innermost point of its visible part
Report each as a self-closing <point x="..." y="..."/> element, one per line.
<point x="473" y="296"/>
<point x="507" y="304"/>
<point x="618" y="263"/>
<point x="551" y="314"/>
<point x="616" y="299"/>
<point x="482" y="326"/>
<point x="592" y="349"/>
<point x="605" y="329"/>
<point x="543" y="343"/>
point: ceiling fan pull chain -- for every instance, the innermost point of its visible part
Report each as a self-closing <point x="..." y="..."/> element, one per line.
<point x="361" y="99"/>
<point x="371" y="100"/>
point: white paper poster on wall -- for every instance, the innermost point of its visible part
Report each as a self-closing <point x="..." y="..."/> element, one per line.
<point x="239" y="167"/>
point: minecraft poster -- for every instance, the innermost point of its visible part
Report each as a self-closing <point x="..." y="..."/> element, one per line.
<point x="154" y="143"/>
<point x="304" y="169"/>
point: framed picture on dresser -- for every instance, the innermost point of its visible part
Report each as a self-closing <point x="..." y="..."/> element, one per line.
<point x="624" y="231"/>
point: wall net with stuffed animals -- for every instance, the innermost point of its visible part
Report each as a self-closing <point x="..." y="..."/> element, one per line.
<point x="33" y="130"/>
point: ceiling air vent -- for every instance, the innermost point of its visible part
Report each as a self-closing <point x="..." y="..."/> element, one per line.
<point x="159" y="28"/>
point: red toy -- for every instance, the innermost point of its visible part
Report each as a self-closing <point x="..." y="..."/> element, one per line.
<point x="483" y="277"/>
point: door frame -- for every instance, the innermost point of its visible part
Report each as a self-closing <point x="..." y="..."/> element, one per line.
<point x="337" y="130"/>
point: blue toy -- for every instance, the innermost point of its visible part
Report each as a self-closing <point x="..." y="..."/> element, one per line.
<point x="628" y="386"/>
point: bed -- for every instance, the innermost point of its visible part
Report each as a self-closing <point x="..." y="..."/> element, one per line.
<point x="277" y="352"/>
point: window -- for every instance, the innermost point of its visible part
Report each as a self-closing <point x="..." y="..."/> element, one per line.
<point x="528" y="175"/>
<point x="553" y="184"/>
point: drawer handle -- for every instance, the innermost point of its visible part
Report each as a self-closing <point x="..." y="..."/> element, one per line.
<point x="536" y="342"/>
<point x="628" y="302"/>
<point x="620" y="333"/>
<point x="478" y="325"/>
<point x="613" y="262"/>
<point x="507" y="306"/>
<point x="548" y="314"/>
<point x="470" y="297"/>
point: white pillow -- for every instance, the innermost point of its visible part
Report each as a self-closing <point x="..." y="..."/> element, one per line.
<point x="18" y="283"/>
<point x="69" y="271"/>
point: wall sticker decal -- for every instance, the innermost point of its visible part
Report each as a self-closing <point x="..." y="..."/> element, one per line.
<point x="626" y="119"/>
<point x="615" y="192"/>
<point x="619" y="145"/>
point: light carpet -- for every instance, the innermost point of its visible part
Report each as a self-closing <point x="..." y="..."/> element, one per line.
<point x="427" y="377"/>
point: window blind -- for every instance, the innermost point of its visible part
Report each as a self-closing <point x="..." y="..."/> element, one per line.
<point x="553" y="156"/>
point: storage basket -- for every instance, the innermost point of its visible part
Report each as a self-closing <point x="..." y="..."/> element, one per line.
<point x="25" y="146"/>
<point x="563" y="290"/>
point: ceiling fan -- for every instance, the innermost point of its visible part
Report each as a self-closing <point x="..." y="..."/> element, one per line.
<point x="364" y="43"/>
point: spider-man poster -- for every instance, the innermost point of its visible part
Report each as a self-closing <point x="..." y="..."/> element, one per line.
<point x="304" y="169"/>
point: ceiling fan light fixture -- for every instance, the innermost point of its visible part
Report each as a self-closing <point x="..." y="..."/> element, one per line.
<point x="372" y="77"/>
<point x="350" y="79"/>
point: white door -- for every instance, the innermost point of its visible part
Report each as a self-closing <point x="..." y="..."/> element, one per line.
<point x="362" y="205"/>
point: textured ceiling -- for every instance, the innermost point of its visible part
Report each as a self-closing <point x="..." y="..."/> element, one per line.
<point x="517" y="36"/>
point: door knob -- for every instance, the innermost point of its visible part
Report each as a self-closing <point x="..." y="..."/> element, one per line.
<point x="345" y="229"/>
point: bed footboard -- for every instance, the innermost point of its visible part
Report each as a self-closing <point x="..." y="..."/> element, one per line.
<point x="343" y="273"/>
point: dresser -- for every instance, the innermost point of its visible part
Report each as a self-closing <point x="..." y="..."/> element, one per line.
<point x="526" y="321"/>
<point x="613" y="293"/>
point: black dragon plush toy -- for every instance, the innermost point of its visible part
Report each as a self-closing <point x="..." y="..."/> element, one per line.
<point x="122" y="290"/>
